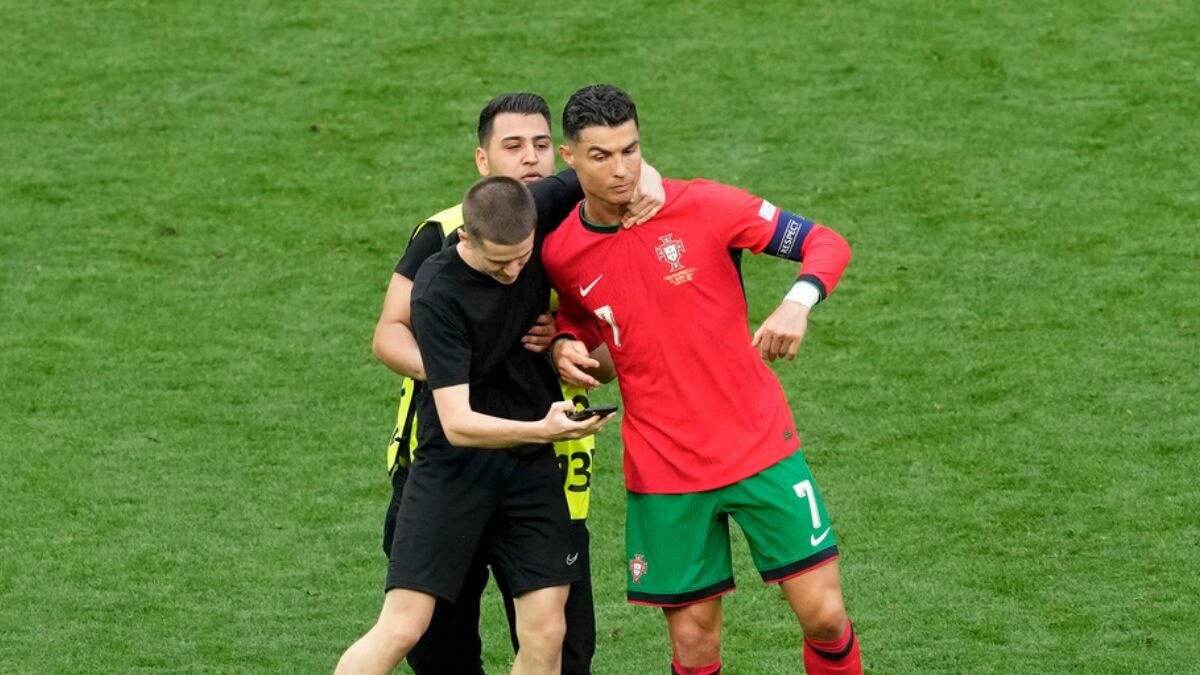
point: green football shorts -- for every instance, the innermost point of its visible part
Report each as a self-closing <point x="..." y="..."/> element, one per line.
<point x="677" y="545"/>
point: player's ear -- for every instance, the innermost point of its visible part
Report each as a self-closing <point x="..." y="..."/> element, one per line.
<point x="464" y="237"/>
<point x="481" y="162"/>
<point x="564" y="151"/>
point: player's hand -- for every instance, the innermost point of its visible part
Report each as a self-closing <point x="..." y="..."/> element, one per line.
<point x="538" y="337"/>
<point x="648" y="198"/>
<point x="781" y="334"/>
<point x="570" y="357"/>
<point x="560" y="427"/>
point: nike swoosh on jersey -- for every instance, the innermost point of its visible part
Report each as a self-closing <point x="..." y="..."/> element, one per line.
<point x="584" y="291"/>
<point x="815" y="540"/>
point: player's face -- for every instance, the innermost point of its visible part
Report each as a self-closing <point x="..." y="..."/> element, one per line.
<point x="608" y="161"/>
<point x="520" y="147"/>
<point x="499" y="261"/>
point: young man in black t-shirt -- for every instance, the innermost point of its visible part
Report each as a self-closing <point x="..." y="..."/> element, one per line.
<point x="514" y="134"/>
<point x="489" y="414"/>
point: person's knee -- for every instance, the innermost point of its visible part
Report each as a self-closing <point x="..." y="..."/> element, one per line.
<point x="542" y="634"/>
<point x="694" y="639"/>
<point x="541" y="625"/>
<point x="825" y="617"/>
<point x="404" y="618"/>
<point x="816" y="598"/>
<point x="400" y="632"/>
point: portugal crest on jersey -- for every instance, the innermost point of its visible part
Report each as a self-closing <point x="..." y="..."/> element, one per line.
<point x="671" y="250"/>
<point x="638" y="567"/>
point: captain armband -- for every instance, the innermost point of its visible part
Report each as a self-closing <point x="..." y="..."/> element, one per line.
<point x="790" y="232"/>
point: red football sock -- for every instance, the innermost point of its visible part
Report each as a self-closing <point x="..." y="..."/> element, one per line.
<point x="710" y="669"/>
<point x="833" y="657"/>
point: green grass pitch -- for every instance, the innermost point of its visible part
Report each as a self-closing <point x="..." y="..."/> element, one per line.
<point x="200" y="204"/>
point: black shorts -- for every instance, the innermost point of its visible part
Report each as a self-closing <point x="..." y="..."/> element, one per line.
<point x="579" y="644"/>
<point x="451" y="644"/>
<point x="453" y="496"/>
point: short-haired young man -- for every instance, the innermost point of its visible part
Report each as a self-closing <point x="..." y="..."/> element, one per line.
<point x="514" y="140"/>
<point x="707" y="429"/>
<point x="484" y="464"/>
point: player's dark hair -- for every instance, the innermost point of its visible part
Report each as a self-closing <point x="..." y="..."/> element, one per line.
<point x="500" y="210"/>
<point x="597" y="105"/>
<point x="521" y="103"/>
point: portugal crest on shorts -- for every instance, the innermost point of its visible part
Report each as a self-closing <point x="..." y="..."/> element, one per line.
<point x="671" y="250"/>
<point x="638" y="567"/>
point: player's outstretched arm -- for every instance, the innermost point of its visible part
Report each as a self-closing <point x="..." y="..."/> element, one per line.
<point x="393" y="342"/>
<point x="466" y="428"/>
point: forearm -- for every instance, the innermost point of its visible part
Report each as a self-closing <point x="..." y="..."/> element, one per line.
<point x="470" y="429"/>
<point x="825" y="255"/>
<point x="395" y="346"/>
<point x="465" y="428"/>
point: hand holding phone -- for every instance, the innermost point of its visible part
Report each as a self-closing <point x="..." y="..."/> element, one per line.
<point x="602" y="410"/>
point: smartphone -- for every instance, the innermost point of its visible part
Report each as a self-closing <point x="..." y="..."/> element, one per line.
<point x="603" y="410"/>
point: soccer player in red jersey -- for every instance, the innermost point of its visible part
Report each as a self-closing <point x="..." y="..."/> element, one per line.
<point x="707" y="429"/>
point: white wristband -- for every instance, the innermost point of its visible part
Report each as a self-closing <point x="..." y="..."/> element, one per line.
<point x="805" y="293"/>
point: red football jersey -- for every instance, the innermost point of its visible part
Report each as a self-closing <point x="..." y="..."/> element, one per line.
<point x="702" y="409"/>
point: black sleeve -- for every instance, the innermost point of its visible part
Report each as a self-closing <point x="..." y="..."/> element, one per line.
<point x="442" y="338"/>
<point x="555" y="196"/>
<point x="426" y="241"/>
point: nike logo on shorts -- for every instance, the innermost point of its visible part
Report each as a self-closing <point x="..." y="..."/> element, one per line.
<point x="572" y="558"/>
<point x="816" y="540"/>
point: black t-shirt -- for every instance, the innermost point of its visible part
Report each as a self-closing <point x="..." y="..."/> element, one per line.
<point x="469" y="326"/>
